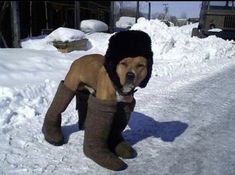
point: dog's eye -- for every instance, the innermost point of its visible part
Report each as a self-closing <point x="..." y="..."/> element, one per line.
<point x="124" y="64"/>
<point x="140" y="65"/>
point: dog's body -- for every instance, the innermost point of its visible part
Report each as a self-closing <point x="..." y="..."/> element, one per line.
<point x="89" y="72"/>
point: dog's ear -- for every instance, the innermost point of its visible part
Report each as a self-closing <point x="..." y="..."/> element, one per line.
<point x="149" y="70"/>
<point x="125" y="44"/>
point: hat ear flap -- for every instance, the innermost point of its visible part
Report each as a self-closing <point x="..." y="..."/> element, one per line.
<point x="149" y="72"/>
<point x="110" y="67"/>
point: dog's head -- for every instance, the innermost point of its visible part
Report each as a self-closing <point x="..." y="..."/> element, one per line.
<point x="131" y="72"/>
<point x="128" y="59"/>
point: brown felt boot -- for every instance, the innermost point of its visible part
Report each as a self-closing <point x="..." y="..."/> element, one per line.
<point x="52" y="122"/>
<point x="116" y="141"/>
<point x="81" y="105"/>
<point x="97" y="129"/>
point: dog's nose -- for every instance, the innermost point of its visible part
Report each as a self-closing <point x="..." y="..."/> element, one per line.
<point x="130" y="76"/>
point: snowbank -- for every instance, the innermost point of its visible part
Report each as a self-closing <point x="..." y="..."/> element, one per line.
<point x="38" y="43"/>
<point x="45" y="42"/>
<point x="93" y="25"/>
<point x="125" y="22"/>
<point x="175" y="51"/>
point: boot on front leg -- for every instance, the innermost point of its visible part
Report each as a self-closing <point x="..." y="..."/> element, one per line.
<point x="116" y="141"/>
<point x="52" y="122"/>
<point x="97" y="129"/>
<point x="125" y="150"/>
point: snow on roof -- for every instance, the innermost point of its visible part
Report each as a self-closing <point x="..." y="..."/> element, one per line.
<point x="65" y="34"/>
<point x="93" y="25"/>
<point x="125" y="22"/>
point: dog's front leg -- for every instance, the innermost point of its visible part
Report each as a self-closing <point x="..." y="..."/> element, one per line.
<point x="100" y="116"/>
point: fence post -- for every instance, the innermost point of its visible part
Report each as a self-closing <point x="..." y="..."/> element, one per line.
<point x="137" y="11"/>
<point x="76" y="14"/>
<point x="15" y="24"/>
<point x="111" y="17"/>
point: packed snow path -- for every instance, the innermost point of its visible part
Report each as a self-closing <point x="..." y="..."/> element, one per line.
<point x="186" y="127"/>
<point x="206" y="147"/>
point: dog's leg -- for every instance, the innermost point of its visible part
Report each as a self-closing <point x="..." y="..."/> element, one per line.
<point x="65" y="93"/>
<point x="81" y="106"/>
<point x="116" y="142"/>
<point x="52" y="122"/>
<point x="98" y="124"/>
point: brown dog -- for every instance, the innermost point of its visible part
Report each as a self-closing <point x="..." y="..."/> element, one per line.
<point x="89" y="72"/>
<point x="105" y="110"/>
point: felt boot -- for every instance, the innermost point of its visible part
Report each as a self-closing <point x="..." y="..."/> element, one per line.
<point x="98" y="123"/>
<point x="81" y="106"/>
<point x="52" y="121"/>
<point x="116" y="141"/>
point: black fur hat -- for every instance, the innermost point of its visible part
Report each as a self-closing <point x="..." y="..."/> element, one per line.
<point x="124" y="44"/>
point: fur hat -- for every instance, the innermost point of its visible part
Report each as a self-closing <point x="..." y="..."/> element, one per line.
<point x="124" y="44"/>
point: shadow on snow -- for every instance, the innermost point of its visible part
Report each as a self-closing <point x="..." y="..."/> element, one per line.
<point x="140" y="128"/>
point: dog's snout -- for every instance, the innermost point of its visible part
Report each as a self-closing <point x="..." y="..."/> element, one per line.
<point x="130" y="76"/>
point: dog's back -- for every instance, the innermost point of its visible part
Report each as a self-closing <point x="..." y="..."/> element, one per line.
<point x="84" y="71"/>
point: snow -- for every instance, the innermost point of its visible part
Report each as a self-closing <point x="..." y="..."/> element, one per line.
<point x="125" y="22"/>
<point x="93" y="25"/>
<point x="65" y="34"/>
<point x="215" y="30"/>
<point x="183" y="121"/>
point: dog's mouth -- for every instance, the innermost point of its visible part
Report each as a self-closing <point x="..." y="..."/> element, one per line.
<point x="129" y="84"/>
<point x="128" y="87"/>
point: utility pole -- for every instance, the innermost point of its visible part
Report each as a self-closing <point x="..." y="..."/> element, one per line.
<point x="166" y="9"/>
<point x="149" y="14"/>
<point x="15" y="24"/>
<point x="76" y="14"/>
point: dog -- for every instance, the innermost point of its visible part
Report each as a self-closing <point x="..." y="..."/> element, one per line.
<point x="104" y="86"/>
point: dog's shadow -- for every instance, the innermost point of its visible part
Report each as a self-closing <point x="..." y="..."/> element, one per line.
<point x="68" y="130"/>
<point x="140" y="128"/>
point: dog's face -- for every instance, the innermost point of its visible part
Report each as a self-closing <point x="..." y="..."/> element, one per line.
<point x="131" y="71"/>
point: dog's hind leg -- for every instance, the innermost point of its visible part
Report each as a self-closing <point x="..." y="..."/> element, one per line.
<point x="116" y="141"/>
<point x="81" y="106"/>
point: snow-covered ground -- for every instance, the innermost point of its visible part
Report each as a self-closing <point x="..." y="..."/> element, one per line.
<point x="183" y="123"/>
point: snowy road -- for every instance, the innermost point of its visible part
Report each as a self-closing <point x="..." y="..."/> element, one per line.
<point x="206" y="147"/>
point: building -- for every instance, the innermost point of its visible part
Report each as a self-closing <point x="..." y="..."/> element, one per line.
<point x="22" y="19"/>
